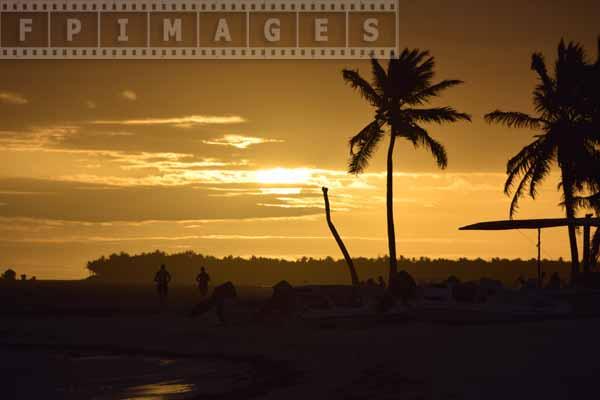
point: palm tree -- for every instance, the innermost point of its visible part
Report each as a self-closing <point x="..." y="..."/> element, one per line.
<point x="590" y="171"/>
<point x="396" y="94"/>
<point x="595" y="104"/>
<point x="566" y="136"/>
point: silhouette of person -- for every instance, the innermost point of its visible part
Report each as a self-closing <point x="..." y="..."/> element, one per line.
<point x="555" y="282"/>
<point x="162" y="279"/>
<point x="403" y="286"/>
<point x="202" y="280"/>
<point x="217" y="300"/>
<point x="381" y="282"/>
<point x="283" y="303"/>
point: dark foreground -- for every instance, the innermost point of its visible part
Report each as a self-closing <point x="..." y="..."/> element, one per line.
<point x="81" y="350"/>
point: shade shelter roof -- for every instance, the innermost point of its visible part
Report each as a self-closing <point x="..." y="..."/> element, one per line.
<point x="531" y="224"/>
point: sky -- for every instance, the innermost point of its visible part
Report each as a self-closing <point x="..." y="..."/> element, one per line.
<point x="228" y="157"/>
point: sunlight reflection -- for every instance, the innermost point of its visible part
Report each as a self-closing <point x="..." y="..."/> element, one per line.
<point x="162" y="390"/>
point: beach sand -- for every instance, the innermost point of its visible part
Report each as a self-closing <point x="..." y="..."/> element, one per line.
<point x="165" y="354"/>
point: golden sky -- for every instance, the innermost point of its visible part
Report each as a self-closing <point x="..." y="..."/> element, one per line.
<point x="228" y="157"/>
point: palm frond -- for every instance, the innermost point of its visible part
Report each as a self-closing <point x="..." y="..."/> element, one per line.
<point x="542" y="166"/>
<point x="424" y="95"/>
<point x="423" y="64"/>
<point x="380" y="77"/>
<point x="545" y="102"/>
<point x="538" y="64"/>
<point x="354" y="79"/>
<point x="410" y="73"/>
<point x="543" y="95"/>
<point x="514" y="119"/>
<point x="521" y="164"/>
<point x="592" y="202"/>
<point x="363" y="145"/>
<point x="514" y="204"/>
<point x="421" y="138"/>
<point x="437" y="115"/>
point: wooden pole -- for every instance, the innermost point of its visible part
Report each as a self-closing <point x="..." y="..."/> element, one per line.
<point x="338" y="239"/>
<point x="539" y="258"/>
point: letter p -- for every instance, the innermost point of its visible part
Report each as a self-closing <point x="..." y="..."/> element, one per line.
<point x="73" y="28"/>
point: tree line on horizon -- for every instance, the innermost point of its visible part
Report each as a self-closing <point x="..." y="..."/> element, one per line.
<point x="262" y="271"/>
<point x="566" y="125"/>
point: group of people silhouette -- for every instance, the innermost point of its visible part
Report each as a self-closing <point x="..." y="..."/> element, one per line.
<point x="163" y="278"/>
<point x="220" y="295"/>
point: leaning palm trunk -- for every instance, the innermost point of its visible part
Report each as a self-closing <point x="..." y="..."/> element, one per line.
<point x="390" y="207"/>
<point x="339" y="241"/>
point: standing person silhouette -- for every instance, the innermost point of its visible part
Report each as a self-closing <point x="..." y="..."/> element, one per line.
<point x="202" y="280"/>
<point x="162" y="279"/>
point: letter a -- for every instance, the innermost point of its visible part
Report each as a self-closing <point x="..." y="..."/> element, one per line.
<point x="222" y="32"/>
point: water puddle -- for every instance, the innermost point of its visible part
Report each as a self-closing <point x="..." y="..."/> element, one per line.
<point x="159" y="391"/>
<point x="77" y="375"/>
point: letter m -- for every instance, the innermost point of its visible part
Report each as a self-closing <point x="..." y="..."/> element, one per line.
<point x="171" y="29"/>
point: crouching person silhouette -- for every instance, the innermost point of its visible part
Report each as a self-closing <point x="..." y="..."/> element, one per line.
<point x="284" y="303"/>
<point x="217" y="300"/>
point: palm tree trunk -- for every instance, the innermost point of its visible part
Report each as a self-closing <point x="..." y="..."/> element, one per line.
<point x="587" y="245"/>
<point x="570" y="214"/>
<point x="338" y="239"/>
<point x="390" y="206"/>
<point x="595" y="249"/>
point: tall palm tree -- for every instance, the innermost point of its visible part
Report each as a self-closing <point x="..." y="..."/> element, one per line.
<point x="565" y="134"/>
<point x="590" y="172"/>
<point x="396" y="95"/>
<point x="594" y="90"/>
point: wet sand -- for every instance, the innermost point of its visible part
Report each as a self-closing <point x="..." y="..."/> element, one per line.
<point x="167" y="355"/>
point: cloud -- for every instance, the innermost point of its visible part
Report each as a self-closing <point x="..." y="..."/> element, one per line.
<point x="129" y="95"/>
<point x="239" y="141"/>
<point x="36" y="138"/>
<point x="112" y="133"/>
<point x="179" y="122"/>
<point x="12" y="98"/>
<point x="92" y="239"/>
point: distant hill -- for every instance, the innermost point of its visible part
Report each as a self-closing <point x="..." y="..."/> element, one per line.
<point x="258" y="271"/>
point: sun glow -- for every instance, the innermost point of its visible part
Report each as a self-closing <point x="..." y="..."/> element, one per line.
<point x="295" y="176"/>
